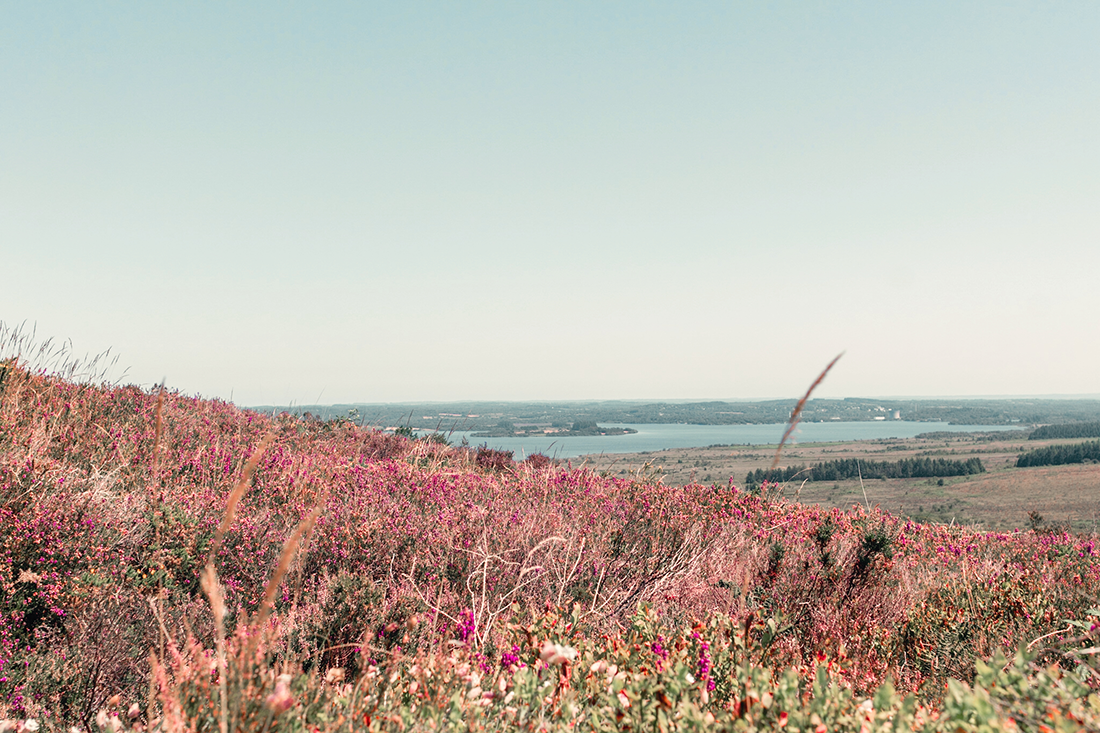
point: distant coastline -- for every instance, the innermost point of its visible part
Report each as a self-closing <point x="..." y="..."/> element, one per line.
<point x="656" y="437"/>
<point x="566" y="419"/>
<point x="577" y="429"/>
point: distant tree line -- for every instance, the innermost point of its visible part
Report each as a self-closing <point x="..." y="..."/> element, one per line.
<point x="1067" y="430"/>
<point x="848" y="468"/>
<point x="1058" y="455"/>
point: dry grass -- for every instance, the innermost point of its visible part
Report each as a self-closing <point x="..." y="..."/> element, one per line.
<point x="792" y="423"/>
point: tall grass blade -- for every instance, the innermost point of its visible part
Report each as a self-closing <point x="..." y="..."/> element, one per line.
<point x="236" y="494"/>
<point x="797" y="412"/>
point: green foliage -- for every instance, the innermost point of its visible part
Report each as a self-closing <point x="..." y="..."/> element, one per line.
<point x="874" y="543"/>
<point x="1066" y="430"/>
<point x="850" y="468"/>
<point x="1058" y="455"/>
<point x="336" y="636"/>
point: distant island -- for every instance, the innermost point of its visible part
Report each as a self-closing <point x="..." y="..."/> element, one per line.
<point x="505" y="429"/>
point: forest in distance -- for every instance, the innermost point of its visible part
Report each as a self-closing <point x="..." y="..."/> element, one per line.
<point x="447" y="416"/>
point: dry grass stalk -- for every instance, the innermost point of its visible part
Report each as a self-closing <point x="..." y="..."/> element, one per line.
<point x="236" y="494"/>
<point x="285" y="559"/>
<point x="212" y="587"/>
<point x="158" y="431"/>
<point x="795" y="414"/>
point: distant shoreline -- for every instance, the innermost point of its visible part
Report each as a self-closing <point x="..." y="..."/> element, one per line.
<point x="656" y="437"/>
<point x="556" y="433"/>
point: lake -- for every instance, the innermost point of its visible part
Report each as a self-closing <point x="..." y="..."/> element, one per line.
<point x="652" y="437"/>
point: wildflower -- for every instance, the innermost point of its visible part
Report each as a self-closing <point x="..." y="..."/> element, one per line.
<point x="467" y="625"/>
<point x="658" y="649"/>
<point x="334" y="675"/>
<point x="557" y="654"/>
<point x="281" y="700"/>
<point x="133" y="712"/>
<point x="30" y="724"/>
<point x="108" y="721"/>
<point x="623" y="699"/>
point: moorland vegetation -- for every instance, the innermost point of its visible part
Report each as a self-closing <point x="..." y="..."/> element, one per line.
<point x="174" y="563"/>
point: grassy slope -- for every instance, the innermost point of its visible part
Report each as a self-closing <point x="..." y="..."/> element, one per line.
<point x="420" y="549"/>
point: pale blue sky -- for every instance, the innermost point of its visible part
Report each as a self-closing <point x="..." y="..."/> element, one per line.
<point x="403" y="201"/>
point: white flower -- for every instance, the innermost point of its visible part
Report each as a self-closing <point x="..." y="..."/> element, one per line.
<point x="30" y="724"/>
<point x="281" y="700"/>
<point x="556" y="653"/>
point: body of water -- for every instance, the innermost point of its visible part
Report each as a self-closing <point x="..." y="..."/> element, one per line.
<point x="652" y="437"/>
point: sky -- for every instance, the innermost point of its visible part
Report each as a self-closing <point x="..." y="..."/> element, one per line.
<point x="283" y="203"/>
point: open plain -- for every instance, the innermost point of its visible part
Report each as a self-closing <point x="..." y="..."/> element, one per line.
<point x="1001" y="498"/>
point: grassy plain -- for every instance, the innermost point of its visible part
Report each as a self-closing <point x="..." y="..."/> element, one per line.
<point x="1001" y="498"/>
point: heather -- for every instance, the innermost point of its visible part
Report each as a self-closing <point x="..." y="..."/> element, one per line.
<point x="365" y="579"/>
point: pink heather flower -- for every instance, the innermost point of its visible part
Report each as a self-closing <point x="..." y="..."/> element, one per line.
<point x="467" y="626"/>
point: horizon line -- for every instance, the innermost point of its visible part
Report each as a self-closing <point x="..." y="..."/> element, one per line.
<point x="681" y="400"/>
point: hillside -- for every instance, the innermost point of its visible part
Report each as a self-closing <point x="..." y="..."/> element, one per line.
<point x="365" y="580"/>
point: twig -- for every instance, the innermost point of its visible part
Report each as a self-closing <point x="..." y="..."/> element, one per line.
<point x="1047" y="636"/>
<point x="561" y="588"/>
<point x="866" y="501"/>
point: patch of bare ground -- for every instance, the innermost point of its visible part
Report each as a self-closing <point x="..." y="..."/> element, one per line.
<point x="1000" y="499"/>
